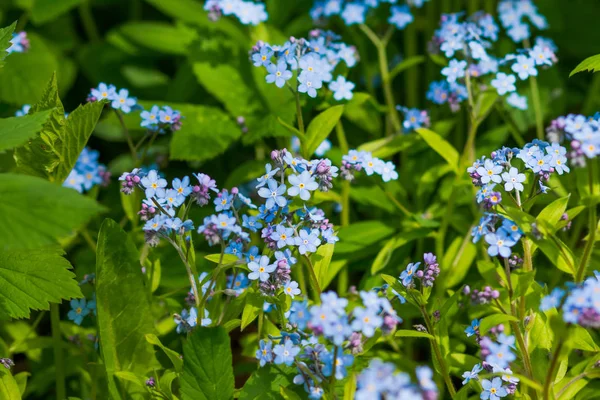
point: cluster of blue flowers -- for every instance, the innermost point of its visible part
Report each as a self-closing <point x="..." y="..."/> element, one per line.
<point x="414" y="119"/>
<point x="358" y="161"/>
<point x="161" y="119"/>
<point x="497" y="355"/>
<point x="338" y="328"/>
<point x="430" y="272"/>
<point x="19" y="43"/>
<point x="514" y="15"/>
<point x="539" y="157"/>
<point x="88" y="172"/>
<point x="582" y="133"/>
<point x="380" y="381"/>
<point x="355" y="12"/>
<point x="248" y="12"/>
<point x="581" y="304"/>
<point x="313" y="61"/>
<point x="472" y="39"/>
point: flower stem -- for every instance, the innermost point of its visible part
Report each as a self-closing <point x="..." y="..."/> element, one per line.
<point x="59" y="356"/>
<point x="537" y="107"/>
<point x="314" y="282"/>
<point x="345" y="214"/>
<point x="550" y="375"/>
<point x="132" y="148"/>
<point x="593" y="226"/>
<point x="189" y="272"/>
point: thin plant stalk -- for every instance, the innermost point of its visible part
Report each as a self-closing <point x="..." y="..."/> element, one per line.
<point x="59" y="355"/>
<point x="593" y="226"/>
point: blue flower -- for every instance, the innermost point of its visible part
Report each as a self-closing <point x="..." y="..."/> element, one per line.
<point x="285" y="353"/>
<point x="500" y="243"/>
<point x="473" y="329"/>
<point x="500" y="354"/>
<point x="472" y="374"/>
<point x="291" y="289"/>
<point x="334" y="303"/>
<point x="263" y="57"/>
<point x="74" y="181"/>
<point x="261" y="270"/>
<point x="283" y="236"/>
<point x="408" y="274"/>
<point x="342" y="88"/>
<point x="454" y="70"/>
<point x="274" y="194"/>
<point x="154" y="184"/>
<point x="224" y="222"/>
<point x="78" y="311"/>
<point x="366" y="321"/>
<point x="156" y="223"/>
<point x="517" y="101"/>
<point x="251" y="223"/>
<point x="150" y="118"/>
<point x="388" y="171"/>
<point x="504" y="83"/>
<point x="354" y="13"/>
<point x="302" y="185"/>
<point x="493" y="390"/>
<point x="223" y="201"/>
<point x="342" y="362"/>
<point x="524" y="67"/>
<point x="192" y="320"/>
<point x="425" y="379"/>
<point x="511" y="229"/>
<point x="182" y="186"/>
<point x="278" y="74"/>
<point x="513" y="180"/>
<point x="234" y="248"/>
<point x="264" y="354"/>
<point x="23" y="111"/>
<point x="122" y="101"/>
<point x="552" y="300"/>
<point x="285" y="255"/>
<point x="338" y="331"/>
<point x="167" y="115"/>
<point x="490" y="172"/>
<point x="309" y="83"/>
<point x="252" y="254"/>
<point x="507" y="375"/>
<point x="400" y="16"/>
<point x="239" y="283"/>
<point x="104" y="92"/>
<point x="307" y="242"/>
<point x="299" y="314"/>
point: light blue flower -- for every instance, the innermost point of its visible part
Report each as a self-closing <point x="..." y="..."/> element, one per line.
<point x="504" y="83"/>
<point x="454" y="70"/>
<point x="122" y="101"/>
<point x="261" y="269"/>
<point x="274" y="194"/>
<point x="278" y="74"/>
<point x="285" y="353"/>
<point x="524" y="67"/>
<point x="342" y="88"/>
<point x="78" y="311"/>
<point x="472" y="374"/>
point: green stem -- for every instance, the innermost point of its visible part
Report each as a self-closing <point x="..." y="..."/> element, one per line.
<point x="150" y="143"/>
<point x="386" y="82"/>
<point x="132" y="148"/>
<point x="570" y="383"/>
<point x="438" y="353"/>
<point x="87" y="19"/>
<point x="345" y="215"/>
<point x="59" y="357"/>
<point x="411" y="78"/>
<point x="314" y="282"/>
<point x="190" y="274"/>
<point x="593" y="226"/>
<point x="512" y="125"/>
<point x="551" y="371"/>
<point x="537" y="107"/>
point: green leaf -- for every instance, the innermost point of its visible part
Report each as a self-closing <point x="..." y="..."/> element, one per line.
<point x="489" y="322"/>
<point x="206" y="133"/>
<point x="553" y="212"/>
<point x="173" y="355"/>
<point x="17" y="130"/>
<point x="406" y="64"/>
<point x="591" y="64"/>
<point x="35" y="212"/>
<point x="123" y="307"/>
<point x="360" y="235"/>
<point x="5" y="37"/>
<point x="457" y="260"/>
<point x="227" y="258"/>
<point x="485" y="102"/>
<point x="54" y="152"/>
<point x="362" y="111"/>
<point x="8" y="386"/>
<point x="160" y="36"/>
<point x="320" y="127"/>
<point x="397" y="241"/>
<point x="253" y="306"/>
<point x="441" y="146"/>
<point x="207" y="366"/>
<point x="321" y="261"/>
<point x="413" y="334"/>
<point x="46" y="10"/>
<point x="30" y="279"/>
<point x="264" y="383"/>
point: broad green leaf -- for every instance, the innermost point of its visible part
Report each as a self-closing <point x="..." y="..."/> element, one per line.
<point x="123" y="307"/>
<point x="489" y="322"/>
<point x="9" y="389"/>
<point x="159" y="36"/>
<point x="35" y="212"/>
<point x="225" y="259"/>
<point x="21" y="379"/>
<point x="485" y="103"/>
<point x="457" y="260"/>
<point x="412" y="334"/>
<point x="207" y="366"/>
<point x="253" y="306"/>
<point x="591" y="64"/>
<point x="320" y="127"/>
<point x="389" y="146"/>
<point x="144" y="78"/>
<point x="5" y="37"/>
<point x="321" y="261"/>
<point x="441" y="146"/>
<point x="350" y="387"/>
<point x="397" y="241"/>
<point x="54" y="152"/>
<point x="173" y="355"/>
<point x="206" y="133"/>
<point x="552" y="213"/>
<point x="17" y="130"/>
<point x="30" y="279"/>
<point x="581" y="339"/>
<point x="265" y="383"/>
<point x="406" y="64"/>
<point x="362" y="111"/>
<point x="360" y="235"/>
<point x="46" y="10"/>
<point x="25" y="75"/>
<point x="558" y="253"/>
<point x="287" y="394"/>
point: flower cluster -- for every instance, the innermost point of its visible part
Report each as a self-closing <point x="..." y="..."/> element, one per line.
<point x="539" y="157"/>
<point x="161" y="119"/>
<point x="472" y="40"/>
<point x="248" y="12"/>
<point x="380" y="380"/>
<point x="187" y="320"/>
<point x="582" y="133"/>
<point x="341" y="329"/>
<point x="119" y="100"/>
<point x="512" y="16"/>
<point x="19" y="43"/>
<point x="484" y="296"/>
<point x="355" y="12"/>
<point x="313" y="61"/>
<point x="430" y="272"/>
<point x="580" y="304"/>
<point x="88" y="172"/>
<point x="414" y="118"/>
<point x="363" y="160"/>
